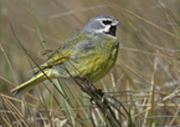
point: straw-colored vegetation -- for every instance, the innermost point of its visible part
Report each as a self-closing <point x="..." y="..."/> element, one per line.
<point x="142" y="90"/>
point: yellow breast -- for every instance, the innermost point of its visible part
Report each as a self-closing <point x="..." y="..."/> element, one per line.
<point x="98" y="65"/>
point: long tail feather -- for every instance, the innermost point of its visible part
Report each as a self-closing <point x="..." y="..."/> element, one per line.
<point x="30" y="84"/>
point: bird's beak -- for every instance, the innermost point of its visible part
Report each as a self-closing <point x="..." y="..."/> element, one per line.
<point x="115" y="23"/>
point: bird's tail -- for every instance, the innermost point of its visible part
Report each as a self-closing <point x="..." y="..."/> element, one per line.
<point x="30" y="84"/>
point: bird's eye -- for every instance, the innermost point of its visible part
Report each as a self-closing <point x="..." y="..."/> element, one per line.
<point x="107" y="22"/>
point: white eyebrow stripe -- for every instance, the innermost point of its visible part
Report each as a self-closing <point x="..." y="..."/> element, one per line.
<point x="100" y="19"/>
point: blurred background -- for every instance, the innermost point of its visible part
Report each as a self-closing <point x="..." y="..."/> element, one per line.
<point x="148" y="63"/>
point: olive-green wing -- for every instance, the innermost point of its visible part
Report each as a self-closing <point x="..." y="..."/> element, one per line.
<point x="68" y="48"/>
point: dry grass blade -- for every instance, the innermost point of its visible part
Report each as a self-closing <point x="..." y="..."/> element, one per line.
<point x="147" y="21"/>
<point x="160" y="105"/>
<point x="130" y="69"/>
<point x="170" y="96"/>
<point x="15" y="112"/>
<point x="44" y="104"/>
<point x="38" y="27"/>
<point x="168" y="12"/>
<point x="79" y="10"/>
<point x="9" y="63"/>
<point x="175" y="115"/>
<point x="153" y="87"/>
<point x="17" y="100"/>
<point x="148" y="53"/>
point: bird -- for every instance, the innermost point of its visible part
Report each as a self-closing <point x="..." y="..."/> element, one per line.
<point x="90" y="53"/>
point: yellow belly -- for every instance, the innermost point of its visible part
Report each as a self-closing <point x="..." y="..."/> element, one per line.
<point x="99" y="65"/>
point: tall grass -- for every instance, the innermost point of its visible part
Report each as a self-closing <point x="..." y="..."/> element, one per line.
<point x="142" y="90"/>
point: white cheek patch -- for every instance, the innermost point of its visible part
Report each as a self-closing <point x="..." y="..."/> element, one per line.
<point x="105" y="29"/>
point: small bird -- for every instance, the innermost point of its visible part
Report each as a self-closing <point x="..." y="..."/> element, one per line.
<point x="89" y="53"/>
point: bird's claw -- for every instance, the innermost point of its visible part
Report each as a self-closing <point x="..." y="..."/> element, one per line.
<point x="102" y="95"/>
<point x="87" y="80"/>
<point x="100" y="92"/>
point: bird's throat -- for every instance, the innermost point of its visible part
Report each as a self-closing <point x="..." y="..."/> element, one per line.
<point x="112" y="31"/>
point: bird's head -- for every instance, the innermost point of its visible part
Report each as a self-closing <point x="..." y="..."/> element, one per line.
<point x="102" y="24"/>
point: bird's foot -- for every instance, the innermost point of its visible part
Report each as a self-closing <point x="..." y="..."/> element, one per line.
<point x="101" y="94"/>
<point x="87" y="80"/>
